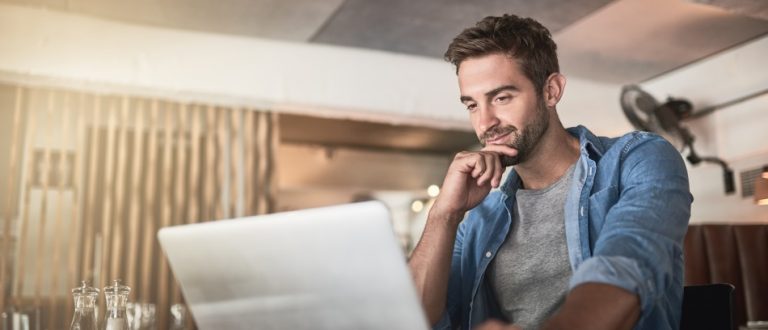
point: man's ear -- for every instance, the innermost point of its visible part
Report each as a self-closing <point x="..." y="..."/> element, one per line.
<point x="553" y="89"/>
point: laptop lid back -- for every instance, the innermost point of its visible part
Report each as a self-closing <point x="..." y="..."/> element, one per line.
<point x="336" y="267"/>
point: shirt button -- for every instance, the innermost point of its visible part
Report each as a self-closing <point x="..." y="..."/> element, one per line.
<point x="488" y="254"/>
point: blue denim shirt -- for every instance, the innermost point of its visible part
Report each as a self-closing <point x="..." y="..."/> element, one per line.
<point x="626" y="214"/>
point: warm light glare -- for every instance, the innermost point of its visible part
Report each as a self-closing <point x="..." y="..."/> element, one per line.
<point x="765" y="175"/>
<point x="417" y="206"/>
<point x="763" y="201"/>
<point x="433" y="191"/>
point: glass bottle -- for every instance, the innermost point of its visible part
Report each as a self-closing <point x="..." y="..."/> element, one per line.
<point x="178" y="317"/>
<point x="117" y="299"/>
<point x="141" y="316"/>
<point x="85" y="303"/>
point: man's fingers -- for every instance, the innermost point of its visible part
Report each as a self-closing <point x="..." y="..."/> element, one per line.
<point x="502" y="149"/>
<point x="485" y="167"/>
<point x="479" y="167"/>
<point x="492" y="163"/>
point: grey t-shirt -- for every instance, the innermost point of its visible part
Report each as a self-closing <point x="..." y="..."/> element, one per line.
<point x="530" y="272"/>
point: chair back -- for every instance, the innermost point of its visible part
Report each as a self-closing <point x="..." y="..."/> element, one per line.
<point x="707" y="307"/>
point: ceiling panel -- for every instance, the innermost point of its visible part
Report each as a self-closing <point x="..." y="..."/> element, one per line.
<point x="632" y="40"/>
<point x="53" y="4"/>
<point x="426" y="27"/>
<point x="752" y="8"/>
<point x="293" y="20"/>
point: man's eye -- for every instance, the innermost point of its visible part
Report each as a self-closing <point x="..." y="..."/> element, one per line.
<point x="502" y="99"/>
<point x="471" y="107"/>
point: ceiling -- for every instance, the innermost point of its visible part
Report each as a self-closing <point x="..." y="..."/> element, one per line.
<point x="610" y="41"/>
<point x="607" y="41"/>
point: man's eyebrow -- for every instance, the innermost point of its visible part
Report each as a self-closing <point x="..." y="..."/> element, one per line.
<point x="501" y="88"/>
<point x="491" y="93"/>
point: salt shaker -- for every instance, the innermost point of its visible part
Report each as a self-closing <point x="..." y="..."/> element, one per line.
<point x="85" y="303"/>
<point x="117" y="300"/>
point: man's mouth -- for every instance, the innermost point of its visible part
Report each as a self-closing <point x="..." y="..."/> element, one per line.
<point x="497" y="139"/>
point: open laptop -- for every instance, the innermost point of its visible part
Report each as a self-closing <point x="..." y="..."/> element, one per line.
<point x="337" y="267"/>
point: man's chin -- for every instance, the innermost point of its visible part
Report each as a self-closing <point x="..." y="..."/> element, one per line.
<point x="508" y="161"/>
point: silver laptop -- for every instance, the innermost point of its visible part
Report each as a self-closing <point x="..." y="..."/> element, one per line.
<point x="336" y="267"/>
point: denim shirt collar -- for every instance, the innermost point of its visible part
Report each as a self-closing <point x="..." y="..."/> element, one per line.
<point x="589" y="145"/>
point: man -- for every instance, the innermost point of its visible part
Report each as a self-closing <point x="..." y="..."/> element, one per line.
<point x="585" y="233"/>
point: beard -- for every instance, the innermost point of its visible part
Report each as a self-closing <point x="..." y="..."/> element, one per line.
<point x="525" y="140"/>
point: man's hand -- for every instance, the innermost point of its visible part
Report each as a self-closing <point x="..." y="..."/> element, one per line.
<point x="497" y="325"/>
<point x="596" y="306"/>
<point x="588" y="306"/>
<point x="470" y="178"/>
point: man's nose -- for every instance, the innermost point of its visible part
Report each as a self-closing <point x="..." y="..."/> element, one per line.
<point x="487" y="118"/>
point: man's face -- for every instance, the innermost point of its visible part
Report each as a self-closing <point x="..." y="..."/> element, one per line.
<point x="503" y="104"/>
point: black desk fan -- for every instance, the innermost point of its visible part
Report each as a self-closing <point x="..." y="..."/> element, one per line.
<point x="646" y="114"/>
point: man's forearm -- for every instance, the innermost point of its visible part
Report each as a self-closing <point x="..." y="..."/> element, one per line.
<point x="596" y="306"/>
<point x="430" y="263"/>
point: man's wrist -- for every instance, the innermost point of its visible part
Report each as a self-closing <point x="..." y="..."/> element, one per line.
<point x="596" y="306"/>
<point x="449" y="218"/>
<point x="556" y="322"/>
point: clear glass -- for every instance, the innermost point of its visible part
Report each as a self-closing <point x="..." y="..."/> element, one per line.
<point x="179" y="317"/>
<point x="117" y="300"/>
<point x="141" y="316"/>
<point x="85" y="303"/>
<point x="25" y="318"/>
<point x="5" y="319"/>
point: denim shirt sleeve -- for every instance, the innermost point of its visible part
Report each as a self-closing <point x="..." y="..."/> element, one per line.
<point x="452" y="315"/>
<point x="641" y="238"/>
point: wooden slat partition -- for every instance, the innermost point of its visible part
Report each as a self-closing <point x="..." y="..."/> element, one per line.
<point x="221" y="139"/>
<point x="20" y="273"/>
<point x="109" y="192"/>
<point x="235" y="162"/>
<point x="43" y="216"/>
<point x="8" y="214"/>
<point x="59" y="220"/>
<point x="209" y="201"/>
<point x="145" y="295"/>
<point x="116" y="248"/>
<point x="166" y="204"/>
<point x="135" y="208"/>
<point x="180" y="194"/>
<point x="76" y="221"/>
<point x="90" y="211"/>
<point x="250" y="161"/>
<point x="194" y="171"/>
<point x="103" y="173"/>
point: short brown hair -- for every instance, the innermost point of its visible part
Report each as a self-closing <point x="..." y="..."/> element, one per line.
<point x="523" y="39"/>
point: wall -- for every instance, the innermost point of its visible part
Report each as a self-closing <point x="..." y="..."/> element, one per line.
<point x="594" y="105"/>
<point x="39" y="46"/>
<point x="738" y="134"/>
